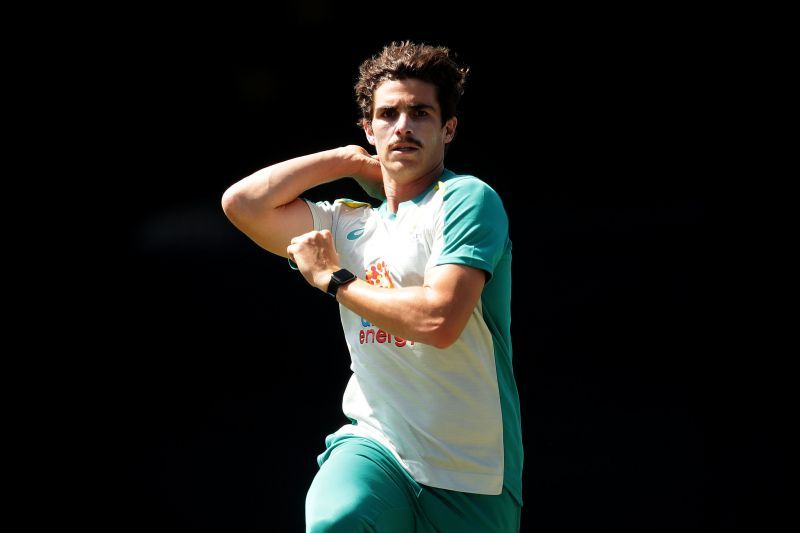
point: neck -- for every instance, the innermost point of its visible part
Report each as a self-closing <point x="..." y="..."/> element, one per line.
<point x="397" y="192"/>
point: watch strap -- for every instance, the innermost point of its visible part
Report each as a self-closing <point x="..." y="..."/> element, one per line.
<point x="339" y="278"/>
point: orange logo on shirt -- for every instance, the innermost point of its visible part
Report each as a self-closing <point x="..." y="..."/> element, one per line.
<point x="378" y="275"/>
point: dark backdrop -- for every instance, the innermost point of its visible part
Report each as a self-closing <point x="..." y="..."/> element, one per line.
<point x="226" y="369"/>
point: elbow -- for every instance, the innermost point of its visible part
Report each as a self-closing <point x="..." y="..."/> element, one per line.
<point x="229" y="202"/>
<point x="233" y="205"/>
<point x="441" y="327"/>
<point x="444" y="335"/>
<point x="442" y="341"/>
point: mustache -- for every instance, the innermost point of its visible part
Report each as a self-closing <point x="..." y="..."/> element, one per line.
<point x="407" y="140"/>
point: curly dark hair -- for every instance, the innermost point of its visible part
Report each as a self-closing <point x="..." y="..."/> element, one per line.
<point x="403" y="60"/>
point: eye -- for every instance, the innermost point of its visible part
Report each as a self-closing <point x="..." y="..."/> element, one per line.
<point x="421" y="113"/>
<point x="388" y="113"/>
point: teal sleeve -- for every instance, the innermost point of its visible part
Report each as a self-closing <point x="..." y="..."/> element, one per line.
<point x="475" y="226"/>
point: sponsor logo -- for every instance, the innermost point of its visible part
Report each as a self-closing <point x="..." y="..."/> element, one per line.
<point x="378" y="275"/>
<point x="355" y="234"/>
<point x="372" y="336"/>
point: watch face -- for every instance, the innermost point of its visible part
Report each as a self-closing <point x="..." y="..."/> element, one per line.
<point x="339" y="277"/>
<point x="343" y="275"/>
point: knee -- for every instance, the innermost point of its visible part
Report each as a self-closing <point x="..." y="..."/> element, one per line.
<point x="345" y="520"/>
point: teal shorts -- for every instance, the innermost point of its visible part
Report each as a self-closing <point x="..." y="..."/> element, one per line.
<point x="360" y="486"/>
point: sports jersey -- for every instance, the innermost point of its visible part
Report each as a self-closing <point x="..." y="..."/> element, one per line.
<point x="450" y="416"/>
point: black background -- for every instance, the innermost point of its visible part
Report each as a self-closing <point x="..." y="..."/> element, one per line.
<point x="224" y="370"/>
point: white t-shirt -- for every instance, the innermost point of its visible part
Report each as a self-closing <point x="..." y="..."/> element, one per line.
<point x="450" y="416"/>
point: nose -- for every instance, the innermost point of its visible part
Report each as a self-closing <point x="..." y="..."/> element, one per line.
<point x="403" y="125"/>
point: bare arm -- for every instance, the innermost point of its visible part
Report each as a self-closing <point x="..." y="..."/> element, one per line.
<point x="265" y="205"/>
<point x="435" y="313"/>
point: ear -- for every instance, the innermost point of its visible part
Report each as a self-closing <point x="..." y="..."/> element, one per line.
<point x="368" y="131"/>
<point x="450" y="129"/>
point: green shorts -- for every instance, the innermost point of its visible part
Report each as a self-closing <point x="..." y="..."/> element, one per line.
<point x="360" y="486"/>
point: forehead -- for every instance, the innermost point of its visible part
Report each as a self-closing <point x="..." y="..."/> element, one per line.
<point x="404" y="92"/>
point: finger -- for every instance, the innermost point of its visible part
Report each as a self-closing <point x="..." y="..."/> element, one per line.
<point x="304" y="236"/>
<point x="301" y="238"/>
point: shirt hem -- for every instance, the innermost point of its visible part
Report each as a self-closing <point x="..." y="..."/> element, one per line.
<point x="488" y="484"/>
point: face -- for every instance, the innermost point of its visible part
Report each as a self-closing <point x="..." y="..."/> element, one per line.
<point x="407" y="128"/>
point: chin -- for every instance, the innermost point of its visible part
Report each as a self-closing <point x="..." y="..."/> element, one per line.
<point x="404" y="168"/>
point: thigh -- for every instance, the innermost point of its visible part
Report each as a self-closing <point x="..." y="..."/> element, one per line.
<point x="359" y="487"/>
<point x="447" y="510"/>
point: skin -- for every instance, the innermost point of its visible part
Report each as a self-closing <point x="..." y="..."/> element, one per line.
<point x="407" y="132"/>
<point x="409" y="137"/>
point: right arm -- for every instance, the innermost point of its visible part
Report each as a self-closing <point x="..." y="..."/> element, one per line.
<point x="265" y="205"/>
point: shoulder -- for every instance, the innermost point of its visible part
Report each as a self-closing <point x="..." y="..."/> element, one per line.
<point x="460" y="189"/>
<point x="464" y="185"/>
<point x="347" y="203"/>
<point x="344" y="207"/>
<point x="343" y="211"/>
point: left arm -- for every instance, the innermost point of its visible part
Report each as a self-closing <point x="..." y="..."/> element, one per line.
<point x="435" y="313"/>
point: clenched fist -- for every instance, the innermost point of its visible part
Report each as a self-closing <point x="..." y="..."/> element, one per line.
<point x="368" y="173"/>
<point x="315" y="256"/>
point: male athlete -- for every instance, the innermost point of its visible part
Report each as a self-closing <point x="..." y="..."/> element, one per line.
<point x="424" y="288"/>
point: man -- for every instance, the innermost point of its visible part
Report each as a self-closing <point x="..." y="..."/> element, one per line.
<point x="424" y="288"/>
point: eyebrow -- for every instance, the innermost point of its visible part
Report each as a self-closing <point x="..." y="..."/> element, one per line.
<point x="412" y="106"/>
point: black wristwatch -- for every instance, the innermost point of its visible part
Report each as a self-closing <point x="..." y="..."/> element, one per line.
<point x="339" y="278"/>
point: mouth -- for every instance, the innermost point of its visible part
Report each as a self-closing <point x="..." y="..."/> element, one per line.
<point x="404" y="148"/>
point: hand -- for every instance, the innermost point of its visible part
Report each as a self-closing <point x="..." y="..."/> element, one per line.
<point x="315" y="256"/>
<point x="368" y="174"/>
